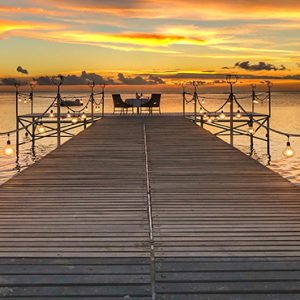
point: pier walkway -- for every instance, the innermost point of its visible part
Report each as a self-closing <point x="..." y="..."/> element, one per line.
<point x="149" y="208"/>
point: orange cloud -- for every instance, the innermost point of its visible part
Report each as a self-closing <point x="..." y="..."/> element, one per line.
<point x="183" y="9"/>
<point x="9" y="26"/>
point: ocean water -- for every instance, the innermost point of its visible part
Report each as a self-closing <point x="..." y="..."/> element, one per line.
<point x="285" y="117"/>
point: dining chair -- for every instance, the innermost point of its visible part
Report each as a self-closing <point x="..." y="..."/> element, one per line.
<point x="120" y="104"/>
<point x="153" y="103"/>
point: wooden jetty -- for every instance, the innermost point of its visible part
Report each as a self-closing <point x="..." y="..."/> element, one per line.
<point x="149" y="208"/>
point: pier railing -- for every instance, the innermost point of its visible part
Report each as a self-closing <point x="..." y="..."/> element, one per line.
<point x="237" y="120"/>
<point x="53" y="122"/>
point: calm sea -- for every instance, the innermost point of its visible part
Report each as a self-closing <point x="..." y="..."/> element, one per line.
<point x="285" y="116"/>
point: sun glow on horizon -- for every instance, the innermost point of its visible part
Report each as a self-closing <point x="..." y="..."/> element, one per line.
<point x="151" y="37"/>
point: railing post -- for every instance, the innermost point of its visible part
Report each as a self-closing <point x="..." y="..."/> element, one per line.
<point x="103" y="98"/>
<point x="231" y="114"/>
<point x="270" y="99"/>
<point x="33" y="133"/>
<point x="32" y="84"/>
<point x="231" y="80"/>
<point x="253" y="98"/>
<point x="92" y="86"/>
<point x="268" y="138"/>
<point x="17" y="119"/>
<point x="58" y="103"/>
<point x="195" y="97"/>
<point x="183" y="100"/>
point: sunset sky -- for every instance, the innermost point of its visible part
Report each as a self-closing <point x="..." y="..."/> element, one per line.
<point x="167" y="38"/>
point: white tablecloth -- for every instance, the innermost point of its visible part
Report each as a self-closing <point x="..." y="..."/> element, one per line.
<point x="136" y="102"/>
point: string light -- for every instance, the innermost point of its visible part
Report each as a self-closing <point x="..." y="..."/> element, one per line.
<point x="69" y="114"/>
<point x="288" y="151"/>
<point x="40" y="128"/>
<point x="8" y="149"/>
<point x="51" y="115"/>
<point x="201" y="110"/>
<point x="86" y="109"/>
<point x="26" y="137"/>
<point x="250" y="127"/>
<point x="74" y="120"/>
<point x="83" y="116"/>
<point x="97" y="108"/>
<point x="238" y="114"/>
<point x="222" y="116"/>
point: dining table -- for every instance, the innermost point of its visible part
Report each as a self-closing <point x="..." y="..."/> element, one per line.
<point x="137" y="102"/>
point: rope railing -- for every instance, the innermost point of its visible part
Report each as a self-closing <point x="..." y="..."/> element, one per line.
<point x="78" y="114"/>
<point x="264" y="126"/>
<point x="38" y="120"/>
<point x="205" y="113"/>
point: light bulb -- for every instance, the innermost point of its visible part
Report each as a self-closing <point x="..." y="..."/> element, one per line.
<point x="74" y="120"/>
<point x="86" y="109"/>
<point x="68" y="115"/>
<point x="83" y="116"/>
<point x="41" y="128"/>
<point x="25" y="101"/>
<point x="289" y="151"/>
<point x="51" y="115"/>
<point x="255" y="101"/>
<point x="97" y="108"/>
<point x="210" y="120"/>
<point x="20" y="99"/>
<point x="222" y="116"/>
<point x="250" y="129"/>
<point x="8" y="149"/>
<point x="201" y="111"/>
<point x="26" y="137"/>
<point x="238" y="114"/>
<point x="203" y="101"/>
<point x="205" y="117"/>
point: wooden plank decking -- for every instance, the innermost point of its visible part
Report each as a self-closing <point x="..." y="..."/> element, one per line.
<point x="141" y="208"/>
